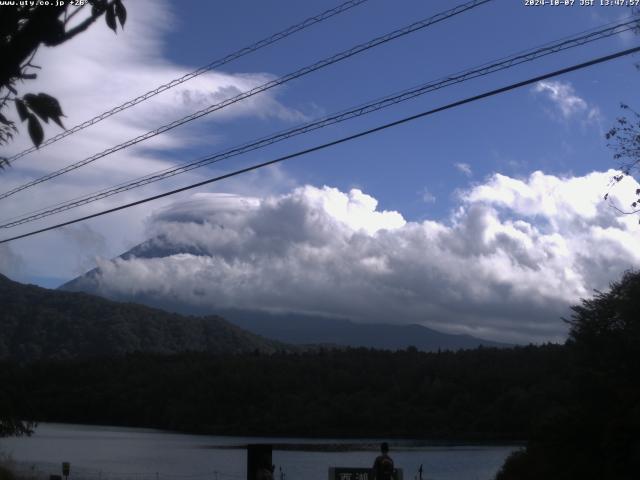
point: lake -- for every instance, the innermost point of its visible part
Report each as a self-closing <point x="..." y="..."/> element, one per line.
<point x="113" y="453"/>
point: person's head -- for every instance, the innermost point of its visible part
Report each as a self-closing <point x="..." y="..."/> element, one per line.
<point x="384" y="447"/>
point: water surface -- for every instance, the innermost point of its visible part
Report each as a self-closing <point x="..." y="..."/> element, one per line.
<point x="112" y="453"/>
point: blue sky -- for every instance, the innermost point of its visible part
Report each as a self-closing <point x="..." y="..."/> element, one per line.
<point x="516" y="133"/>
<point x="521" y="174"/>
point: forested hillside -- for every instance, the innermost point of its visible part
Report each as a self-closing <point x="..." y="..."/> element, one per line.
<point x="36" y="323"/>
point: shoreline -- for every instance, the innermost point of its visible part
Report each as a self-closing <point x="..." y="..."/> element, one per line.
<point x="359" y="443"/>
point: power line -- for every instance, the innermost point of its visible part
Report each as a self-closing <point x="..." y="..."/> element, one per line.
<point x="210" y="66"/>
<point x="300" y="153"/>
<point x="485" y="69"/>
<point x="264" y="87"/>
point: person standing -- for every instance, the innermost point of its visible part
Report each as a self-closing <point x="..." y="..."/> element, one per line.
<point x="265" y="468"/>
<point x="383" y="468"/>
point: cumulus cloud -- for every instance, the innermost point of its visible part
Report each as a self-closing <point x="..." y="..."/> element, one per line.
<point x="563" y="95"/>
<point x="464" y="168"/>
<point x="506" y="265"/>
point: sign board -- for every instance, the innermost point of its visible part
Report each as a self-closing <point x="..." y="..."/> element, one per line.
<point x="346" y="473"/>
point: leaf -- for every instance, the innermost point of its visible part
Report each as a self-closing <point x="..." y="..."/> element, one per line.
<point x="35" y="130"/>
<point x="53" y="33"/>
<point x="59" y="122"/>
<point x="22" y="109"/>
<point x="4" y="120"/>
<point x="121" y="12"/>
<point x="45" y="106"/>
<point x="97" y="7"/>
<point x="52" y="104"/>
<point x="110" y="18"/>
<point x="32" y="101"/>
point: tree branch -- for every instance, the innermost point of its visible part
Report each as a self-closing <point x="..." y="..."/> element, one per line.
<point x="622" y="211"/>
<point x="74" y="13"/>
<point x="81" y="27"/>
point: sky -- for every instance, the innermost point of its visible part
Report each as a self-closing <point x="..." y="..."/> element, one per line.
<point x="485" y="219"/>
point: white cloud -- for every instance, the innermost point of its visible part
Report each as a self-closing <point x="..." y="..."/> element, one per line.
<point x="506" y="266"/>
<point x="94" y="72"/>
<point x="89" y="244"/>
<point x="563" y="95"/>
<point x="464" y="168"/>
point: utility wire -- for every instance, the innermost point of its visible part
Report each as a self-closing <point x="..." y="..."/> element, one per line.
<point x="266" y="86"/>
<point x="485" y="69"/>
<point x="364" y="133"/>
<point x="210" y="66"/>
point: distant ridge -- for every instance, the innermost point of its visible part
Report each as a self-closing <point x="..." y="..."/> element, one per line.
<point x="37" y="323"/>
<point x="310" y="329"/>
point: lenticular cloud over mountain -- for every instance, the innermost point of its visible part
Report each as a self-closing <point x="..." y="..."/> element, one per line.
<point x="506" y="265"/>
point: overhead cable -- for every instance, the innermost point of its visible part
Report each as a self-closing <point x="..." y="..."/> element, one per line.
<point x="485" y="69"/>
<point x="348" y="138"/>
<point x="210" y="66"/>
<point x="414" y="27"/>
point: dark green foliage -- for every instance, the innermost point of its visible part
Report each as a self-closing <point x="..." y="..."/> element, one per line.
<point x="120" y="12"/>
<point x="483" y="394"/>
<point x="45" y="106"/>
<point x="35" y="130"/>
<point x="23" y="28"/>
<point x="44" y="109"/>
<point x="45" y="324"/>
<point x="596" y="435"/>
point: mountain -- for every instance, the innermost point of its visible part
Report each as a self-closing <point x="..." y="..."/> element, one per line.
<point x="285" y="327"/>
<point x="309" y="329"/>
<point x="37" y="323"/>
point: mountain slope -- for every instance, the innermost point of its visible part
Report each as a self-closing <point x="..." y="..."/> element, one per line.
<point x="38" y="323"/>
<point x="308" y="329"/>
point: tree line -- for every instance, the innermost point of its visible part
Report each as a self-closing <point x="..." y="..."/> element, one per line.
<point x="483" y="394"/>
